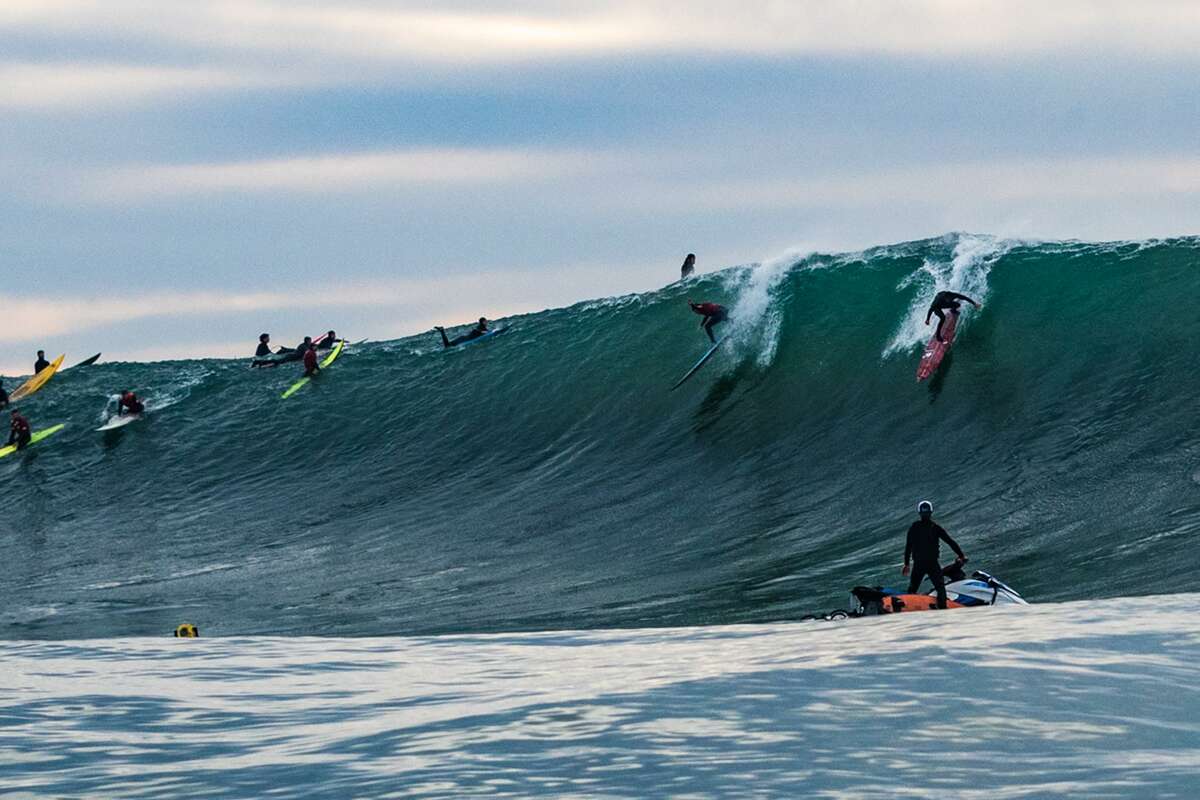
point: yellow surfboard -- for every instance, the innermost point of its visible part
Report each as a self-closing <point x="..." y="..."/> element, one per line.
<point x="37" y="381"/>
<point x="337" y="348"/>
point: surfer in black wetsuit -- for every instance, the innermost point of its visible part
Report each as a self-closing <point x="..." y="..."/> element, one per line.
<point x="942" y="302"/>
<point x="480" y="329"/>
<point x="923" y="545"/>
<point x="298" y="353"/>
<point x="19" y="432"/>
<point x="328" y="342"/>
<point x="713" y="313"/>
<point x="41" y="362"/>
<point x="689" y="266"/>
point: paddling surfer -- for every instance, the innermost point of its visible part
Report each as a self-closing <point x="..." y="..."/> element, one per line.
<point x="942" y="302"/>
<point x="923" y="545"/>
<point x="310" y="362"/>
<point x="19" y="431"/>
<point x="129" y="404"/>
<point x="713" y="314"/>
<point x="480" y="329"/>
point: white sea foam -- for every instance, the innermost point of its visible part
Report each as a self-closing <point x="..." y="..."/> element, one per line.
<point x="757" y="315"/>
<point x="1077" y="699"/>
<point x="965" y="272"/>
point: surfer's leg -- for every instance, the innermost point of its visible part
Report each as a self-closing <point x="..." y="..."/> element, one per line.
<point x="941" y="321"/>
<point x="916" y="576"/>
<point x="442" y="331"/>
<point x="935" y="577"/>
<point x="708" y="326"/>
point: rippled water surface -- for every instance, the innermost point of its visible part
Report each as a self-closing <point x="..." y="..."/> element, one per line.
<point x="1079" y="699"/>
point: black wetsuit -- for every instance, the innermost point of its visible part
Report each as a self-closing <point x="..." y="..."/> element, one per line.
<point x="327" y="343"/>
<point x="945" y="301"/>
<point x="40" y="365"/>
<point x="3" y="397"/>
<point x="923" y="545"/>
<point x="264" y="349"/>
<point x="474" y="333"/>
<point x="295" y="355"/>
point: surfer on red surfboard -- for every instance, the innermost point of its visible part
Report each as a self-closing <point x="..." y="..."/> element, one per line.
<point x="942" y="302"/>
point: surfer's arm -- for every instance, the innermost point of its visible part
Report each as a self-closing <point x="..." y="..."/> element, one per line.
<point x="945" y="537"/>
<point x="928" y="314"/>
<point x="908" y="547"/>
<point x="958" y="296"/>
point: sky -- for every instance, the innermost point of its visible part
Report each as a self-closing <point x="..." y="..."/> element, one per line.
<point x="179" y="177"/>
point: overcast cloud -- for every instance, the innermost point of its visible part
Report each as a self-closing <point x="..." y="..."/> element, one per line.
<point x="175" y="169"/>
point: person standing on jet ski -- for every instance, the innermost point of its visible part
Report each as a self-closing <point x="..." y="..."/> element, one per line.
<point x="942" y="302"/>
<point x="922" y="545"/>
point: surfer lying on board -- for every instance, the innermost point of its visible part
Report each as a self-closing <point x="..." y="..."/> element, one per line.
<point x="129" y="404"/>
<point x="922" y="545"/>
<point x="19" y="432"/>
<point x="713" y="314"/>
<point x="298" y="353"/>
<point x="942" y="302"/>
<point x="480" y="329"/>
<point x="41" y="362"/>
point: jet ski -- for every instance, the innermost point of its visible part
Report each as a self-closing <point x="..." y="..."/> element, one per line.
<point x="981" y="589"/>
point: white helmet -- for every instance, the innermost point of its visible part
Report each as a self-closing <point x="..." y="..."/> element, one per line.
<point x="924" y="506"/>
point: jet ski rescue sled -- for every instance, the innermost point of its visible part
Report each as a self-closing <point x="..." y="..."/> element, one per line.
<point x="981" y="589"/>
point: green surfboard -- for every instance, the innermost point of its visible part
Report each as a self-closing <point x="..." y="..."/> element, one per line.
<point x="337" y="349"/>
<point x="37" y="437"/>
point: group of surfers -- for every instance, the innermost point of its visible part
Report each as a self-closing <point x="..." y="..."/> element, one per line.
<point x="20" y="431"/>
<point x="713" y="314"/>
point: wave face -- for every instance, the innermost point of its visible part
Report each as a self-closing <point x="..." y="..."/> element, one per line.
<point x="548" y="479"/>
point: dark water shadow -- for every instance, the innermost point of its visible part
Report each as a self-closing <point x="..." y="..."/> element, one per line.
<point x="938" y="381"/>
<point x="714" y="405"/>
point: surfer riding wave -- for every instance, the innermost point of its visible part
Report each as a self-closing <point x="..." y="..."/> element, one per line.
<point x="942" y="302"/>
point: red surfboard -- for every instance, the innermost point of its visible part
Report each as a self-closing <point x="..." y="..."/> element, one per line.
<point x="935" y="351"/>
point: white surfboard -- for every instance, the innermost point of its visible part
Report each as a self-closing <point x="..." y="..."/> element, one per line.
<point x="703" y="360"/>
<point x="119" y="422"/>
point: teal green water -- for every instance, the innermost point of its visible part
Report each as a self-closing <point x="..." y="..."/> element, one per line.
<point x="548" y="479"/>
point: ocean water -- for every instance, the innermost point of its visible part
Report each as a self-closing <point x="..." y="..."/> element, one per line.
<point x="528" y="568"/>
<point x="1084" y="699"/>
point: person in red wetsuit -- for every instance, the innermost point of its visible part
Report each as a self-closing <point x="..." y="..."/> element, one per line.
<point x="310" y="362"/>
<point x="129" y="404"/>
<point x="713" y="314"/>
<point x="20" y="432"/>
